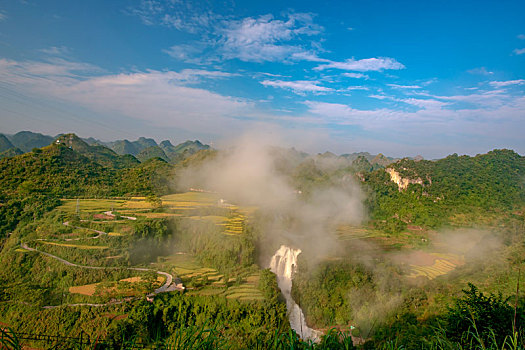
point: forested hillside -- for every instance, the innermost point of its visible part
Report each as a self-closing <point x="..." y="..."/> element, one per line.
<point x="400" y="277"/>
<point x="445" y="188"/>
<point x="33" y="183"/>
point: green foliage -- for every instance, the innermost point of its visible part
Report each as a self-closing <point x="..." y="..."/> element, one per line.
<point x="453" y="185"/>
<point x="5" y="144"/>
<point x="179" y="319"/>
<point x="97" y="153"/>
<point x="324" y="293"/>
<point x="182" y="151"/>
<point x="151" y="240"/>
<point x="27" y="140"/>
<point x="152" y="152"/>
<point x="152" y="177"/>
<point x="212" y="247"/>
<point x="476" y="314"/>
<point x="268" y="285"/>
<point x="12" y="152"/>
<point x="32" y="183"/>
<point x="9" y="340"/>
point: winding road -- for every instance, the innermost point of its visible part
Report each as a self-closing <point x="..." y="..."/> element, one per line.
<point x="168" y="286"/>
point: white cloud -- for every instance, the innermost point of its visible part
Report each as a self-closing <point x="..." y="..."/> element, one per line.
<point x="521" y="36"/>
<point x="3" y="16"/>
<point x="53" y="70"/>
<point x="364" y="65"/>
<point x="266" y="38"/>
<point x="355" y="75"/>
<point x="396" y="86"/>
<point x="160" y="98"/>
<point x="428" y="104"/>
<point x="434" y="123"/>
<point x="185" y="16"/>
<point x="507" y="83"/>
<point x="190" y="23"/>
<point x="186" y="52"/>
<point x="253" y="39"/>
<point x="147" y="10"/>
<point x="519" y="51"/>
<point x="299" y="87"/>
<point x="380" y="97"/>
<point x="196" y="75"/>
<point x="491" y="99"/>
<point x="55" y="50"/>
<point x="307" y="56"/>
<point x="480" y="71"/>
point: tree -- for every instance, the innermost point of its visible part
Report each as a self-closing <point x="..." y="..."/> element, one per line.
<point x="478" y="315"/>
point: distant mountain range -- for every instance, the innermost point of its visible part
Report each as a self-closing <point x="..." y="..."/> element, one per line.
<point x="144" y="149"/>
<point x="117" y="154"/>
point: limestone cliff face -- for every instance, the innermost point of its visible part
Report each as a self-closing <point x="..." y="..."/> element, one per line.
<point x="402" y="183"/>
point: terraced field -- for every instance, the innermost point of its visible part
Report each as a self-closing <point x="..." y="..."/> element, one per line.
<point x="199" y="206"/>
<point x="101" y="205"/>
<point x="91" y="289"/>
<point x="235" y="224"/>
<point x="194" y="205"/>
<point x="208" y="281"/>
<point x="441" y="265"/>
<point x="347" y="232"/>
<point x="78" y="246"/>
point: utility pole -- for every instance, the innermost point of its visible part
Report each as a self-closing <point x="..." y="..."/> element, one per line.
<point x="516" y="303"/>
<point x="78" y="211"/>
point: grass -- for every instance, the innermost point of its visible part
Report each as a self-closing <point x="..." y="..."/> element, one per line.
<point x="154" y="215"/>
<point x="347" y="232"/>
<point x="115" y="234"/>
<point x="79" y="246"/>
<point x="87" y="289"/>
<point x="90" y="289"/>
<point x="90" y="205"/>
<point x="219" y="220"/>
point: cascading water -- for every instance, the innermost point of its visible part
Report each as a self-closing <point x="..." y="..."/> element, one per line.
<point x="283" y="264"/>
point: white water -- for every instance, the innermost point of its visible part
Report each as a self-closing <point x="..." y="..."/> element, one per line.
<point x="283" y="264"/>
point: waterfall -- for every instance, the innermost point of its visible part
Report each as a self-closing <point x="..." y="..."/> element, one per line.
<point x="283" y="264"/>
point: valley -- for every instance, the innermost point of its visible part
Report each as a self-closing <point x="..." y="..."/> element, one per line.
<point x="125" y="251"/>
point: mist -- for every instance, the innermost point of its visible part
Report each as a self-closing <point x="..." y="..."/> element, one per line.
<point x="252" y="171"/>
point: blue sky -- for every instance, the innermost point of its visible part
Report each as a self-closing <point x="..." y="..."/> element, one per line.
<point x="397" y="77"/>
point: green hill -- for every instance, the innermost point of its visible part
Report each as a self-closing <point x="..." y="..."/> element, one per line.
<point x="190" y="146"/>
<point x="32" y="183"/>
<point x="152" y="152"/>
<point x="153" y="176"/>
<point x="132" y="147"/>
<point x="10" y="153"/>
<point x="361" y="164"/>
<point x="182" y="150"/>
<point x="125" y="147"/>
<point x="5" y="144"/>
<point x="98" y="154"/>
<point x="381" y="160"/>
<point x="27" y="140"/>
<point x="55" y="170"/>
<point x="437" y="190"/>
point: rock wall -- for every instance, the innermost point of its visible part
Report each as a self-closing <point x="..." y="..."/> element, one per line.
<point x="402" y="183"/>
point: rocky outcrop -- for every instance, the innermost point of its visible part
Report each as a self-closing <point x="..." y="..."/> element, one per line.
<point x="402" y="183"/>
